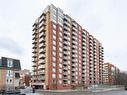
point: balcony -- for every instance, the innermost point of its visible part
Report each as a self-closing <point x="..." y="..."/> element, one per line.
<point x="42" y="56"/>
<point x="66" y="23"/>
<point x="34" y="51"/>
<point x="34" y="65"/>
<point x="35" y="29"/>
<point x="42" y="47"/>
<point x="42" y="24"/>
<point x="42" y="18"/>
<point x="41" y="77"/>
<point x="35" y="42"/>
<point x="42" y="35"/>
<point x="34" y="78"/>
<point x="34" y="47"/>
<point x="41" y="72"/>
<point x="66" y="28"/>
<point x="74" y="24"/>
<point x="42" y="51"/>
<point x="41" y="61"/>
<point x="42" y="40"/>
<point x="65" y="73"/>
<point x="34" y="56"/>
<point x="42" y="29"/>
<point x="74" y="29"/>
<point x="41" y="67"/>
<point x="34" y="38"/>
<point x="34" y="60"/>
<point x="66" y="19"/>
<point x="65" y="38"/>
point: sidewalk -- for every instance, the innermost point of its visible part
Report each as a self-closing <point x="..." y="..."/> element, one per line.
<point x="84" y="90"/>
<point x="106" y="89"/>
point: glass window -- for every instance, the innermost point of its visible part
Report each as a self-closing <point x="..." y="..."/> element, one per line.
<point x="60" y="28"/>
<point x="60" y="39"/>
<point x="60" y="59"/>
<point x="60" y="54"/>
<point x="54" y="70"/>
<point x="69" y="82"/>
<point x="60" y="81"/>
<point x="60" y="70"/>
<point x="60" y="34"/>
<point x="54" y="64"/>
<point x="60" y="65"/>
<point x="54" y="26"/>
<point x="54" y="32"/>
<point x="60" y="49"/>
<point x="54" y="37"/>
<point x="9" y="73"/>
<point x="60" y="44"/>
<point x="53" y="75"/>
<point x="54" y="53"/>
<point x="60" y="76"/>
<point x="9" y="62"/>
<point x="54" y="58"/>
<point x="54" y="48"/>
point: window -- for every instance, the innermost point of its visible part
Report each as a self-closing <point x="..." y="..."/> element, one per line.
<point x="69" y="82"/>
<point x="60" y="65"/>
<point x="60" y="34"/>
<point x="9" y="62"/>
<point x="54" y="53"/>
<point x="60" y="54"/>
<point x="68" y="77"/>
<point x="60" y="59"/>
<point x="54" y="70"/>
<point x="17" y="75"/>
<point x="60" y="49"/>
<point x="53" y="76"/>
<point x="60" y="76"/>
<point x="54" y="48"/>
<point x="60" y="44"/>
<point x="60" y="21"/>
<point x="54" y="26"/>
<point x="60" y="39"/>
<point x="60" y="70"/>
<point x="54" y="64"/>
<point x="54" y="37"/>
<point x="54" y="32"/>
<point x="60" y="81"/>
<point x="54" y="58"/>
<point x="9" y="73"/>
<point x="60" y="28"/>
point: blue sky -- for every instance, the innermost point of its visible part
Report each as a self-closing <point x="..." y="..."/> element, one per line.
<point x="104" y="19"/>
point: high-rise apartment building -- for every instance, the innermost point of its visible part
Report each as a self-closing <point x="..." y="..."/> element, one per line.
<point x="110" y="72"/>
<point x="65" y="55"/>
